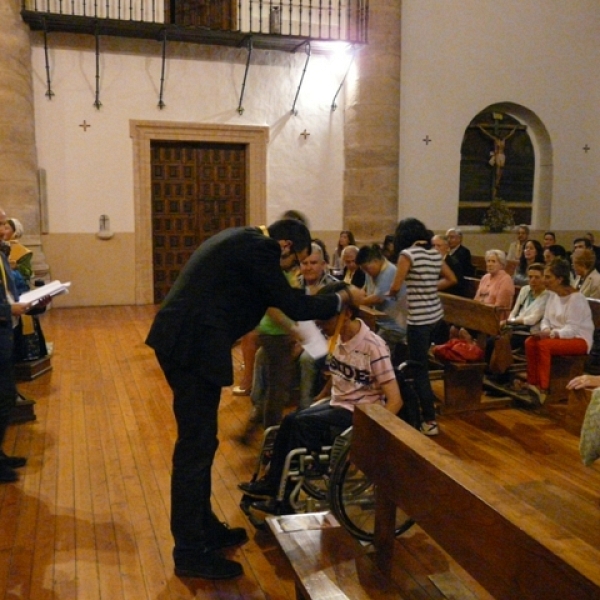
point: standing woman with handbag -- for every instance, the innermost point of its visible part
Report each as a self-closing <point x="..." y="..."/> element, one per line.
<point x="421" y="267"/>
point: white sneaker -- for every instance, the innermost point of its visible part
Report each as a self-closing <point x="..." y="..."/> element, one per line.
<point x="430" y="428"/>
<point x="538" y="395"/>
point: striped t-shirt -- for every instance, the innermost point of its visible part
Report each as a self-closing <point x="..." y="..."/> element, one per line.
<point x="359" y="367"/>
<point x="424" y="306"/>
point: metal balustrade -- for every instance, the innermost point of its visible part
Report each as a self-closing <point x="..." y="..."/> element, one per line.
<point x="303" y="20"/>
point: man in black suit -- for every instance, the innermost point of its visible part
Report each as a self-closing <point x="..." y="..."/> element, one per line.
<point x="221" y="294"/>
<point x="459" y="252"/>
<point x="440" y="243"/>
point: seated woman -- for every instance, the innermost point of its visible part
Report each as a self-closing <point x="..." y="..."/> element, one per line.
<point x="352" y="274"/>
<point x="361" y="373"/>
<point x="380" y="275"/>
<point x="532" y="253"/>
<point x="496" y="287"/>
<point x="554" y="251"/>
<point x="587" y="279"/>
<point x="566" y="329"/>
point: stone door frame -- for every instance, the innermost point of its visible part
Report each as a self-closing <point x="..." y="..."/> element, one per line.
<point x="143" y="133"/>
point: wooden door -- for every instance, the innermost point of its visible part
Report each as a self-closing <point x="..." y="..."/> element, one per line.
<point x="214" y="14"/>
<point x="198" y="189"/>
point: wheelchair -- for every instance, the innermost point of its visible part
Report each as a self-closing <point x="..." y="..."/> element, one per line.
<point x="327" y="478"/>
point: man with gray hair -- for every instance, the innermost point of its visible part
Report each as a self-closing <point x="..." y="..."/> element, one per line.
<point x="440" y="243"/>
<point x="460" y="252"/>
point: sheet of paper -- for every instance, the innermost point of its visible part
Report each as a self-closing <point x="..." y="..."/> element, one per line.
<point x="313" y="341"/>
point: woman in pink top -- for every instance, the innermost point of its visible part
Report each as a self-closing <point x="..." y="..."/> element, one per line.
<point x="496" y="287"/>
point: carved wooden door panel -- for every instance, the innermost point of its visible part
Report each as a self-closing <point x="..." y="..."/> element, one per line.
<point x="214" y="14"/>
<point x="198" y="189"/>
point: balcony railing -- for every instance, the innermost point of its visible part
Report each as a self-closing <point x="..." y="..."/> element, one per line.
<point x="281" y="24"/>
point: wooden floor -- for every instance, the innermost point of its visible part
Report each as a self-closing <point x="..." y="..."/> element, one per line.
<point x="89" y="518"/>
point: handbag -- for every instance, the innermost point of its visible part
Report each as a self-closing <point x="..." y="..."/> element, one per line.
<point x="502" y="356"/>
<point x="457" y="350"/>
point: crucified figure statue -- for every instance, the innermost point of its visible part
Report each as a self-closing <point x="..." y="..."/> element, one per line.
<point x="498" y="157"/>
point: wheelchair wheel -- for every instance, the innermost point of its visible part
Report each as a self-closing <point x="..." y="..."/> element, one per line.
<point x="352" y="500"/>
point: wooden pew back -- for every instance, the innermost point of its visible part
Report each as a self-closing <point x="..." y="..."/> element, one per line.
<point x="464" y="312"/>
<point x="511" y="549"/>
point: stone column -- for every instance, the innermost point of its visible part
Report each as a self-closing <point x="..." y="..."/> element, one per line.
<point x="18" y="160"/>
<point x="372" y="130"/>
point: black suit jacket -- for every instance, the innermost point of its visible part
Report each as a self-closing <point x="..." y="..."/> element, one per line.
<point x="463" y="256"/>
<point x="222" y="293"/>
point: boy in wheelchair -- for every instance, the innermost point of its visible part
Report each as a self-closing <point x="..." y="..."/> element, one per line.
<point x="361" y="372"/>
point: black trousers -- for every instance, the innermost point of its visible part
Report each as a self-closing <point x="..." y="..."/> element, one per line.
<point x="312" y="428"/>
<point x="8" y="388"/>
<point x="196" y="404"/>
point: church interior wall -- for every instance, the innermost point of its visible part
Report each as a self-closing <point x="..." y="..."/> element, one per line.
<point x="89" y="172"/>
<point x="457" y="59"/>
<point x="461" y="56"/>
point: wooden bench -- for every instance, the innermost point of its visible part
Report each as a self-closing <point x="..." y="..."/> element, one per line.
<point x="511" y="549"/>
<point x="327" y="562"/>
<point x="463" y="382"/>
<point x="577" y="405"/>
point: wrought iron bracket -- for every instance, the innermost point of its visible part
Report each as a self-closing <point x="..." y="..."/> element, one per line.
<point x="307" y="50"/>
<point x="333" y="104"/>
<point x="161" y="104"/>
<point x="97" y="102"/>
<point x="240" y="108"/>
<point x="49" y="92"/>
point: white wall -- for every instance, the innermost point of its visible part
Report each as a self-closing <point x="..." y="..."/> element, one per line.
<point x="90" y="173"/>
<point x="460" y="56"/>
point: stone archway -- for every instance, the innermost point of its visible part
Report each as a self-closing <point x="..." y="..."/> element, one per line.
<point x="142" y="133"/>
<point x="544" y="156"/>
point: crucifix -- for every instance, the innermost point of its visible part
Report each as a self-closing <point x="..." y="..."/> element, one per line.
<point x="497" y="155"/>
<point x="586" y="148"/>
<point x="427" y="139"/>
<point x="305" y="134"/>
<point x="84" y="125"/>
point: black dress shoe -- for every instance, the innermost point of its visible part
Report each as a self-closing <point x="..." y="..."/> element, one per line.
<point x="14" y="462"/>
<point x="259" y="489"/>
<point x="222" y="536"/>
<point x="7" y="474"/>
<point x="271" y="507"/>
<point x="207" y="565"/>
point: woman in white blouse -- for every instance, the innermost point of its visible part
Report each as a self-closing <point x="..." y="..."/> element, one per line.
<point x="566" y="329"/>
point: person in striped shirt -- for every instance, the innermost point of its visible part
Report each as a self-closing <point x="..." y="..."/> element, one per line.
<point x="421" y="268"/>
<point x="361" y="372"/>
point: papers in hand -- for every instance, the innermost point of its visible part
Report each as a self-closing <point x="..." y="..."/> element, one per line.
<point x="54" y="288"/>
<point x="313" y="341"/>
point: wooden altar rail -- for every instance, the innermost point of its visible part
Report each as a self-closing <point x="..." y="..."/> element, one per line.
<point x="511" y="549"/>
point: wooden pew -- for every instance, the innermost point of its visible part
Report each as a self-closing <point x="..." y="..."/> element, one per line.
<point x="463" y="382"/>
<point x="327" y="562"/>
<point x="511" y="549"/>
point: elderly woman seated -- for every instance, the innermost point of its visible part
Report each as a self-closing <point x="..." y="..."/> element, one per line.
<point x="587" y="279"/>
<point x="496" y="287"/>
<point x="352" y="273"/>
<point x="566" y="329"/>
